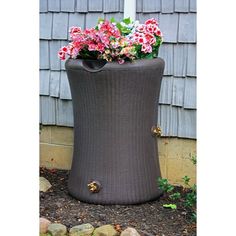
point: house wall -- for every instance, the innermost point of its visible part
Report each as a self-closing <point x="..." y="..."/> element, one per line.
<point x="177" y="105"/>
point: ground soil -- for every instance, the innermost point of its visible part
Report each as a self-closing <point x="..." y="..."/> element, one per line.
<point x="58" y="206"/>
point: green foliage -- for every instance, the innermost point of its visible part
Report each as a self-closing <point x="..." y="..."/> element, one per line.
<point x="186" y="180"/>
<point x="194" y="216"/>
<point x="124" y="29"/>
<point x="112" y="20"/>
<point x="164" y="185"/>
<point x="175" y="196"/>
<point x="188" y="197"/>
<point x="194" y="159"/>
<point x="172" y="206"/>
<point x="127" y="21"/>
<point x="191" y="197"/>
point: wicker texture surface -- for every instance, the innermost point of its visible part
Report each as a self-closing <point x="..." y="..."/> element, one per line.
<point x="115" y="107"/>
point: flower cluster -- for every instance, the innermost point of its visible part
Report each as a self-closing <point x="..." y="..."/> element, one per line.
<point x="114" y="41"/>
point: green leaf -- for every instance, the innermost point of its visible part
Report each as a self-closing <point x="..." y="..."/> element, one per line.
<point x="112" y="20"/>
<point x="172" y="206"/>
<point x="194" y="159"/>
<point x="119" y="26"/>
<point x="186" y="180"/>
<point x="100" y="20"/>
<point x="127" y="21"/>
<point x="149" y="56"/>
<point x="175" y="196"/>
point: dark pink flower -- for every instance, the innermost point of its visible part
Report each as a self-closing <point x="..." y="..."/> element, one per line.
<point x="62" y="55"/>
<point x="151" y="21"/>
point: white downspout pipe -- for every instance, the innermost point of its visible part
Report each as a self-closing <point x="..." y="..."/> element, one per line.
<point x="130" y="9"/>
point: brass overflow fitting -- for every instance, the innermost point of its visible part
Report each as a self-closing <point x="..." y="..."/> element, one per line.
<point x="94" y="186"/>
<point x="156" y="131"/>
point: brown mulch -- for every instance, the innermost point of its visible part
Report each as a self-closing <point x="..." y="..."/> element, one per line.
<point x="58" y="206"/>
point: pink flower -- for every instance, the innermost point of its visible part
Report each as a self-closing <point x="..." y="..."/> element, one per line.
<point x="150" y="38"/>
<point x="151" y="21"/>
<point x="158" y="33"/>
<point x="150" y="28"/>
<point x="146" y="48"/>
<point x="141" y="40"/>
<point x="75" y="29"/>
<point x="100" y="47"/>
<point x="92" y="47"/>
<point x="105" y="39"/>
<point x="64" y="49"/>
<point x="121" y="61"/>
<point x="111" y="44"/>
<point x="141" y="28"/>
<point x="62" y="55"/>
<point x="74" y="32"/>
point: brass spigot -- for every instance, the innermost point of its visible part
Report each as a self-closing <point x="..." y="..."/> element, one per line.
<point x="94" y="186"/>
<point x="156" y="131"/>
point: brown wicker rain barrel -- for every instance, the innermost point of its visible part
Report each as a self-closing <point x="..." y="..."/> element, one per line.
<point x="115" y="159"/>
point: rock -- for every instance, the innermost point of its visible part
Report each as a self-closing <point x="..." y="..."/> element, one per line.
<point x="44" y="185"/>
<point x="105" y="230"/>
<point x="82" y="230"/>
<point x="57" y="229"/>
<point x="43" y="225"/>
<point x="130" y="232"/>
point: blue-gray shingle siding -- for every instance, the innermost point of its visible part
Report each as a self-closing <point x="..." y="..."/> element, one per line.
<point x="44" y="76"/>
<point x="180" y="59"/>
<point x="64" y="87"/>
<point x="43" y="6"/>
<point x="82" y="6"/>
<point x="167" y="53"/>
<point x="53" y="49"/>
<point x="169" y="27"/>
<point x="190" y="93"/>
<point x="151" y="5"/>
<point x="54" y="5"/>
<point x="55" y="83"/>
<point x="48" y="110"/>
<point x="191" y="60"/>
<point x="186" y="123"/>
<point x="45" y="26"/>
<point x="139" y="5"/>
<point x="193" y="5"/>
<point x="64" y="109"/>
<point x="187" y="28"/>
<point x="166" y="90"/>
<point x="60" y="25"/>
<point x="92" y="19"/>
<point x="178" y="92"/>
<point x="181" y="5"/>
<point x="44" y="55"/>
<point x="95" y="5"/>
<point x="111" y="6"/>
<point x="167" y="6"/>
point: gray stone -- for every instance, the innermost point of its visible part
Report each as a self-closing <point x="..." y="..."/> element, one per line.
<point x="130" y="232"/>
<point x="57" y="229"/>
<point x="43" y="225"/>
<point x="44" y="185"/>
<point x="105" y="230"/>
<point x="81" y="230"/>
